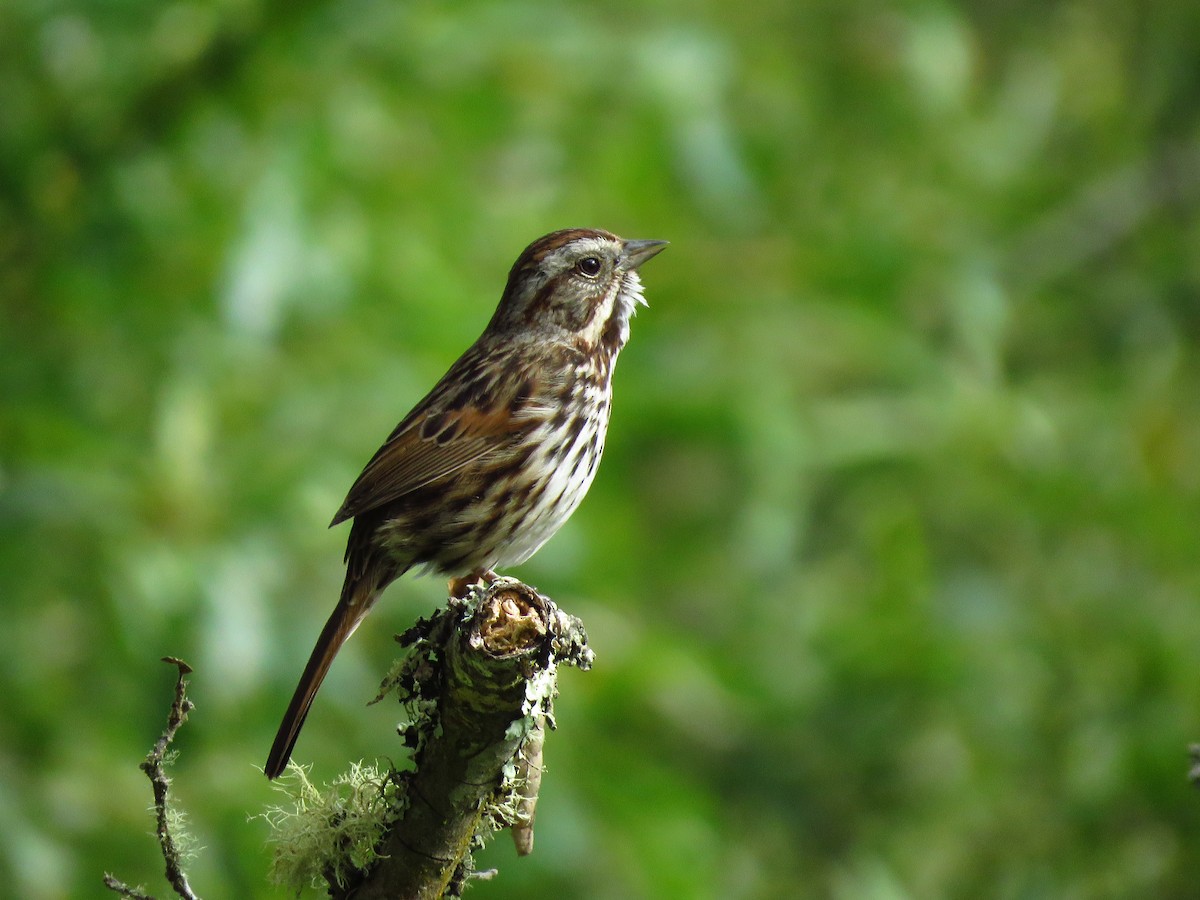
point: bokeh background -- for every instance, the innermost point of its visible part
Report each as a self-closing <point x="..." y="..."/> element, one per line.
<point x="892" y="566"/>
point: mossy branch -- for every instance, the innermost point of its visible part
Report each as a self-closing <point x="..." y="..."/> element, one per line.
<point x="478" y="684"/>
<point x="171" y="840"/>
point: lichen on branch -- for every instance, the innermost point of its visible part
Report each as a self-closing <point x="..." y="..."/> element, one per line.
<point x="477" y="686"/>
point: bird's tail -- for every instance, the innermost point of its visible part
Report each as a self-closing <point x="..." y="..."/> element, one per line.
<point x="364" y="582"/>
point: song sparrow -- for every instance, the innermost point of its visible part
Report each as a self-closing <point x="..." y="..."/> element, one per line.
<point x="490" y="464"/>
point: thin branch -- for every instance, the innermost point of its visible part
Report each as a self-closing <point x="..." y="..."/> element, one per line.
<point x="132" y="893"/>
<point x="154" y="767"/>
<point x="529" y="781"/>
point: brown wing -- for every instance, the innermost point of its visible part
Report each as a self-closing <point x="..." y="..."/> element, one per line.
<point x="463" y="419"/>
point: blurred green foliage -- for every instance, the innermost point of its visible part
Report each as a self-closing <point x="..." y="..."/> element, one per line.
<point x="892" y="565"/>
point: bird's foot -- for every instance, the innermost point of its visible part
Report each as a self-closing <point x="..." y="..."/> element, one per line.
<point x="460" y="587"/>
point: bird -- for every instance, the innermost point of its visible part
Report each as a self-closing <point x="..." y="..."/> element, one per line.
<point x="499" y="454"/>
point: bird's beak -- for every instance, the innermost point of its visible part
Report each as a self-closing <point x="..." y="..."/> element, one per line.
<point x="634" y="253"/>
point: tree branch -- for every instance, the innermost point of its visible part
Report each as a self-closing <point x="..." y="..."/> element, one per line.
<point x="478" y="684"/>
<point x="154" y="766"/>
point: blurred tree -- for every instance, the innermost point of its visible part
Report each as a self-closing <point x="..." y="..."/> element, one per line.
<point x="891" y="565"/>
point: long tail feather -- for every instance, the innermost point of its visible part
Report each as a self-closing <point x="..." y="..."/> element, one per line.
<point x="363" y="586"/>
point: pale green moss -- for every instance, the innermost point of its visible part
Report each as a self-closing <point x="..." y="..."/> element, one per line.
<point x="186" y="845"/>
<point x="330" y="832"/>
<point x="334" y="833"/>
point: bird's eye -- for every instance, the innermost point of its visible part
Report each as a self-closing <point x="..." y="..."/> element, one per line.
<point x="589" y="266"/>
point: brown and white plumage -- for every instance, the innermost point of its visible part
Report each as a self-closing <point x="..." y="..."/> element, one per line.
<point x="498" y="455"/>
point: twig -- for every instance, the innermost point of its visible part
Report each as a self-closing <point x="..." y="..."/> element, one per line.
<point x="529" y="781"/>
<point x="154" y="767"/>
<point x="132" y="893"/>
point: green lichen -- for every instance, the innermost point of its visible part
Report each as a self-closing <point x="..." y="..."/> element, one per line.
<point x="334" y="832"/>
<point x="186" y="845"/>
<point x="333" y="835"/>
